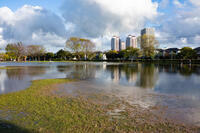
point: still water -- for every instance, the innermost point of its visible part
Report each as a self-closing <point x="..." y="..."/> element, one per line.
<point x="173" y="87"/>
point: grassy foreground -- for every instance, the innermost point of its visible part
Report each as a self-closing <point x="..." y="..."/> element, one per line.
<point x="37" y="109"/>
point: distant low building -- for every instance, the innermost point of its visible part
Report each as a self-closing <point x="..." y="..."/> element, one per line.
<point x="104" y="57"/>
<point x="172" y="51"/>
<point x="167" y="53"/>
<point x="198" y="52"/>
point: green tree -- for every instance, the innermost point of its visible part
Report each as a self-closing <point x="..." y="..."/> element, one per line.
<point x="112" y="54"/>
<point x="148" y="76"/>
<point x="4" y="56"/>
<point x="63" y="55"/>
<point x="188" y="53"/>
<point x="129" y="53"/>
<point x="80" y="46"/>
<point x="88" y="47"/>
<point x="132" y="53"/>
<point x="148" y="45"/>
<point x="16" y="51"/>
<point x="49" y="56"/>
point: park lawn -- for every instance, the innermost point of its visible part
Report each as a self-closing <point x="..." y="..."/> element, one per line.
<point x="37" y="109"/>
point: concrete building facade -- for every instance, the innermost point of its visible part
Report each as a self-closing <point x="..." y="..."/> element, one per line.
<point x="148" y="31"/>
<point x="131" y="41"/>
<point x="115" y="43"/>
<point x="122" y="46"/>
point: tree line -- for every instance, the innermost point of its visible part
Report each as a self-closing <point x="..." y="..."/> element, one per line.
<point x="84" y="49"/>
<point x="149" y="50"/>
<point x="75" y="49"/>
<point x="186" y="53"/>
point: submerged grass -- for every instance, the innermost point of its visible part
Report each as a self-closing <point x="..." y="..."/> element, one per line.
<point x="8" y="67"/>
<point x="36" y="109"/>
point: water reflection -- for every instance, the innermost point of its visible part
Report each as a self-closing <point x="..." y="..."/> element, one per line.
<point x="164" y="78"/>
<point x="148" y="76"/>
<point x="19" y="73"/>
<point x="179" y="83"/>
<point x="2" y="80"/>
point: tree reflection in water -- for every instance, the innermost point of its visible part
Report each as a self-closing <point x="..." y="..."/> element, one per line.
<point x="18" y="73"/>
<point x="82" y="71"/>
<point x="148" y="76"/>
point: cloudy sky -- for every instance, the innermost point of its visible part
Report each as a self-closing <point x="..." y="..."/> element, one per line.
<point x="51" y="22"/>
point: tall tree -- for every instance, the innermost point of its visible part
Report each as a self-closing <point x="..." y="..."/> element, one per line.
<point x="87" y="47"/>
<point x="4" y="56"/>
<point x="148" y="45"/>
<point x="188" y="53"/>
<point x="49" y="56"/>
<point x="112" y="54"/>
<point x="35" y="51"/>
<point x="63" y="55"/>
<point x="80" y="46"/>
<point x="16" y="50"/>
<point x="129" y="53"/>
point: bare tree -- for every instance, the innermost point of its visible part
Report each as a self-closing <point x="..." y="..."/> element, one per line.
<point x="35" y="51"/>
<point x="16" y="51"/>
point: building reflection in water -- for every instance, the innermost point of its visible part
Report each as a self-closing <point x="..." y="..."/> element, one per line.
<point x="115" y="73"/>
<point x="2" y="80"/>
<point x="143" y="75"/>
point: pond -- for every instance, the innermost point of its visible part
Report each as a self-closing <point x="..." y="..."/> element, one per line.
<point x="175" y="88"/>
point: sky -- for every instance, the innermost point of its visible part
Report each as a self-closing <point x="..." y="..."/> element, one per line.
<point x="51" y="22"/>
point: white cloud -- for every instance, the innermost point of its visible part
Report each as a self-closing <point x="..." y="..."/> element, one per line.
<point x="98" y="20"/>
<point x="182" y="28"/>
<point x="164" y="3"/>
<point x="31" y="24"/>
<point x="178" y="4"/>
<point x="94" y="18"/>
<point x="195" y="2"/>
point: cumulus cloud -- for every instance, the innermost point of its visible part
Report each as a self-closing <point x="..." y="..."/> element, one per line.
<point x="182" y="28"/>
<point x="94" y="18"/>
<point x="195" y="2"/>
<point x="178" y="4"/>
<point x="164" y="3"/>
<point x="31" y="24"/>
<point x="98" y="20"/>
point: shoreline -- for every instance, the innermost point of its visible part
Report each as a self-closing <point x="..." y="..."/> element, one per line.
<point x="49" y="112"/>
<point x="159" y="61"/>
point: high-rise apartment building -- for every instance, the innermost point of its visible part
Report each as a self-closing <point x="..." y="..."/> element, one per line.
<point x="131" y="41"/>
<point x="115" y="43"/>
<point x="122" y="46"/>
<point x="148" y="31"/>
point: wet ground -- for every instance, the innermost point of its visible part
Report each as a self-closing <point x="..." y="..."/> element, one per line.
<point x="171" y="90"/>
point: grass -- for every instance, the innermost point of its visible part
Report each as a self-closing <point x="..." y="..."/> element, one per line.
<point x="37" y="109"/>
<point x="9" y="67"/>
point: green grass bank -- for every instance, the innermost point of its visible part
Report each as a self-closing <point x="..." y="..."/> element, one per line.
<point x="39" y="110"/>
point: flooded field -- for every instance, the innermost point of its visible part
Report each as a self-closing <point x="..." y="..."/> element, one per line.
<point x="174" y="89"/>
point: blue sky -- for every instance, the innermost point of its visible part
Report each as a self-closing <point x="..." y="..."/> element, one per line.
<point x="52" y="5"/>
<point x="51" y="22"/>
